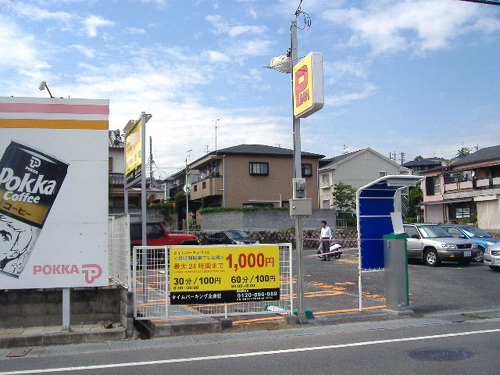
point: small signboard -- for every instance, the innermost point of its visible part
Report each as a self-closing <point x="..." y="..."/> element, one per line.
<point x="308" y="94"/>
<point x="211" y="274"/>
<point x="133" y="152"/>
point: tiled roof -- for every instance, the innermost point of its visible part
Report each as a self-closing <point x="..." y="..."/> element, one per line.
<point x="262" y="150"/>
<point x="484" y="154"/>
<point x="336" y="159"/>
<point x="422" y="163"/>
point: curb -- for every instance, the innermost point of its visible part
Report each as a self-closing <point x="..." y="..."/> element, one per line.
<point x="22" y="337"/>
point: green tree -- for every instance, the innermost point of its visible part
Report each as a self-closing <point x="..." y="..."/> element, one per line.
<point x="416" y="196"/>
<point x="464" y="151"/>
<point x="344" y="198"/>
<point x="417" y="158"/>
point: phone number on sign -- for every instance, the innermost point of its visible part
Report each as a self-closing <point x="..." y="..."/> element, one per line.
<point x="247" y="295"/>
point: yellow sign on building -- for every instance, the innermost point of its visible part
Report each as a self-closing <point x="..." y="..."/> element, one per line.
<point x="308" y="95"/>
<point x="210" y="274"/>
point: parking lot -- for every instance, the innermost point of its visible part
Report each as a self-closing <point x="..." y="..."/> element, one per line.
<point x="332" y="287"/>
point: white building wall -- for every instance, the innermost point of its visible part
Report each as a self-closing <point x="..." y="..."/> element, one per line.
<point x="434" y="214"/>
<point x="488" y="214"/>
<point x="359" y="171"/>
<point x="118" y="160"/>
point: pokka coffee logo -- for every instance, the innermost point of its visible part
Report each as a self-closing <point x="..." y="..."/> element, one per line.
<point x="91" y="272"/>
<point x="30" y="180"/>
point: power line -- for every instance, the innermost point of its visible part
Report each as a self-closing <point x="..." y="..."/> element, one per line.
<point x="489" y="2"/>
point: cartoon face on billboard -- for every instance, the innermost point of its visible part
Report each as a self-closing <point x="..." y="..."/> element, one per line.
<point x="16" y="239"/>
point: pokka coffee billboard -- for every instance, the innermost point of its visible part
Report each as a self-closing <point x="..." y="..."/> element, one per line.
<point x="53" y="193"/>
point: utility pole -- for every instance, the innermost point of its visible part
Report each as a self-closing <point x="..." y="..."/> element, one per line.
<point x="151" y="161"/>
<point x="186" y="190"/>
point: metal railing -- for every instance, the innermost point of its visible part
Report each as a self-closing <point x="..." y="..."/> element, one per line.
<point x="119" y="250"/>
<point x="151" y="289"/>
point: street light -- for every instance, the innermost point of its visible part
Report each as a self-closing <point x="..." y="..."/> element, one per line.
<point x="216" y="121"/>
<point x="285" y="64"/>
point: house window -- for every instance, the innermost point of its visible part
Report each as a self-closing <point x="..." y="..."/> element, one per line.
<point x="325" y="179"/>
<point x="432" y="185"/>
<point x="195" y="189"/>
<point x="259" y="169"/>
<point x="307" y="170"/>
<point x="462" y="212"/>
<point x="204" y="185"/>
<point x="382" y="173"/>
<point x="326" y="204"/>
<point x="110" y="165"/>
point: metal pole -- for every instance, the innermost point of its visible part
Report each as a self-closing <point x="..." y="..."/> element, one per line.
<point x="297" y="161"/>
<point x="66" y="309"/>
<point x="143" y="203"/>
<point x="186" y="189"/>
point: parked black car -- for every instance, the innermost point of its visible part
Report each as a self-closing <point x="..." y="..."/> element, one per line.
<point x="236" y="237"/>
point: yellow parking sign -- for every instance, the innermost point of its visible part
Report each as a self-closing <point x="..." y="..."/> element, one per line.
<point x="212" y="274"/>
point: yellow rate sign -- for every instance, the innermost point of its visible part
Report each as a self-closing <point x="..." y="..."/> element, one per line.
<point x="212" y="274"/>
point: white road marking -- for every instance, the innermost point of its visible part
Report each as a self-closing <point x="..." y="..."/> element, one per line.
<point x="251" y="354"/>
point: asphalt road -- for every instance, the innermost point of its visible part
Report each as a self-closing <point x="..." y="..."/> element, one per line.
<point x="435" y="290"/>
<point x="402" y="346"/>
<point x="448" y="334"/>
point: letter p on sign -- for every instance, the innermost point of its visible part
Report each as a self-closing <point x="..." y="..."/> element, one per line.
<point x="308" y="96"/>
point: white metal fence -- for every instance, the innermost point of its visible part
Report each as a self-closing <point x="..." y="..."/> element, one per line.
<point x="119" y="250"/>
<point x="151" y="292"/>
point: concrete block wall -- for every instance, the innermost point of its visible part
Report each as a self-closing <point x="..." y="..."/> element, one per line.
<point x="261" y="220"/>
<point x="346" y="237"/>
<point x="43" y="307"/>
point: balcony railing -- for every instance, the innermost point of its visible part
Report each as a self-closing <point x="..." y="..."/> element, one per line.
<point x="211" y="186"/>
<point x="464" y="185"/>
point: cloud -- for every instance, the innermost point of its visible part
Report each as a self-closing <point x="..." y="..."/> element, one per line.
<point x="134" y="30"/>
<point x="216" y="57"/>
<point x="410" y="24"/>
<point x="91" y="23"/>
<point x="345" y="98"/>
<point x="34" y="13"/>
<point x="231" y="28"/>
<point x="87" y="52"/>
<point x="336" y="70"/>
<point x="20" y="50"/>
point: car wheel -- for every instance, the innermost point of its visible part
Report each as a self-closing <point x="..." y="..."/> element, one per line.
<point x="495" y="268"/>
<point x="479" y="258"/>
<point x="464" y="262"/>
<point x="431" y="258"/>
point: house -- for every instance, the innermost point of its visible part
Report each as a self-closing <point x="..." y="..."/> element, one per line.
<point x="357" y="169"/>
<point x="421" y="165"/>
<point x="467" y="189"/>
<point x="116" y="168"/>
<point x="250" y="175"/>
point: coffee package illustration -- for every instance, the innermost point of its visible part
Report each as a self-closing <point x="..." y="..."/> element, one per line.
<point x="30" y="180"/>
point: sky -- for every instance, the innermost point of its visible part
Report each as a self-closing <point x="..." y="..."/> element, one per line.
<point x="418" y="77"/>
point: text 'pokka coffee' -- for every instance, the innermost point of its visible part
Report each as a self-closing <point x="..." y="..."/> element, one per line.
<point x="29" y="182"/>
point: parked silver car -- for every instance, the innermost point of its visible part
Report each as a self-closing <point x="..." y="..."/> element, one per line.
<point x="492" y="256"/>
<point x="432" y="244"/>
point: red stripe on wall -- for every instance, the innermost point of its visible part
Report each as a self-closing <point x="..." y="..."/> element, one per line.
<point x="54" y="108"/>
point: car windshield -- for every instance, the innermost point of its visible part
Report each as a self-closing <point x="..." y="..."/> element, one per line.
<point x="236" y="234"/>
<point x="474" y="232"/>
<point x="433" y="231"/>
